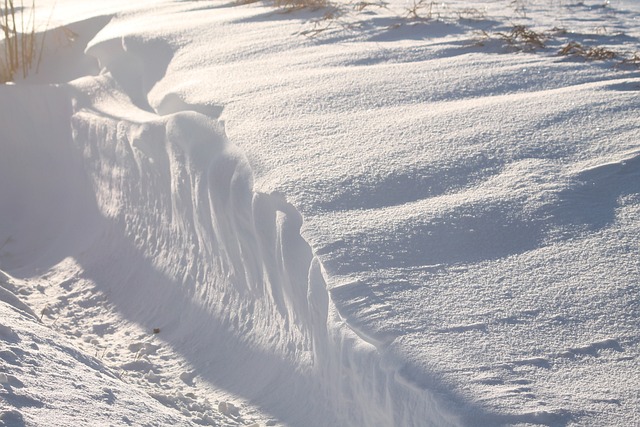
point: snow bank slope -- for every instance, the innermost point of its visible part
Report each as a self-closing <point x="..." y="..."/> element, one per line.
<point x="473" y="205"/>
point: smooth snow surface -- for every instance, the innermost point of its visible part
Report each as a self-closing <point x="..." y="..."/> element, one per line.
<point x="224" y="214"/>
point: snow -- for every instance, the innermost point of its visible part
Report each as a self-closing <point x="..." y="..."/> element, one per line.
<point x="47" y="381"/>
<point x="224" y="214"/>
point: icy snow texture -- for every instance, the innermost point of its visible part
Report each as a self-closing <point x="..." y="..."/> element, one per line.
<point x="473" y="212"/>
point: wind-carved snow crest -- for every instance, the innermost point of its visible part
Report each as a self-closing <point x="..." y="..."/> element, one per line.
<point x="241" y="285"/>
<point x="180" y="241"/>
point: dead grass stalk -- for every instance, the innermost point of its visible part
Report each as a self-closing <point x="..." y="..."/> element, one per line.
<point x="18" y="51"/>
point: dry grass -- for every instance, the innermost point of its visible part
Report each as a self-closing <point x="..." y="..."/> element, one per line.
<point x="523" y="38"/>
<point x="19" y="39"/>
<point x="593" y="53"/>
<point x="293" y="5"/>
<point x="633" y="59"/>
<point x="301" y="4"/>
<point x="422" y="10"/>
<point x="519" y="37"/>
<point x="519" y="7"/>
<point x="598" y="53"/>
<point x="331" y="19"/>
<point x="470" y="14"/>
<point x="360" y="6"/>
<point x="335" y="17"/>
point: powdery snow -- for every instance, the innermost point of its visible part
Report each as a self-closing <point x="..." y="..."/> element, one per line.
<point x="46" y="380"/>
<point x="231" y="215"/>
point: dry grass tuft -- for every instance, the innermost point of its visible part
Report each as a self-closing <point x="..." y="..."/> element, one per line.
<point x="519" y="7"/>
<point x="292" y="5"/>
<point x="423" y="10"/>
<point x="632" y="60"/>
<point x="359" y="6"/>
<point x="19" y="40"/>
<point x="590" y="53"/>
<point x="331" y="19"/>
<point x="522" y="38"/>
<point x="336" y="17"/>
<point x="301" y="4"/>
<point x="471" y="14"/>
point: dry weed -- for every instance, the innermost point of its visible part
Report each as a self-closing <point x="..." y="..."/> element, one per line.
<point x="338" y="16"/>
<point x="19" y="39"/>
<point x="632" y="60"/>
<point x="423" y="10"/>
<point x="301" y="4"/>
<point x="593" y="53"/>
<point x="360" y="6"/>
<point x="522" y="38"/>
<point x="330" y="20"/>
<point x="292" y="5"/>
<point x="519" y="7"/>
<point x="471" y="14"/>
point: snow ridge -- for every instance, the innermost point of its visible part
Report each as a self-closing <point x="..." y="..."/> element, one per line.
<point x="240" y="258"/>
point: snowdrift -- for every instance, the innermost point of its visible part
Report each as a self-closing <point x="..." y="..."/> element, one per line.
<point x="157" y="210"/>
<point x="395" y="226"/>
